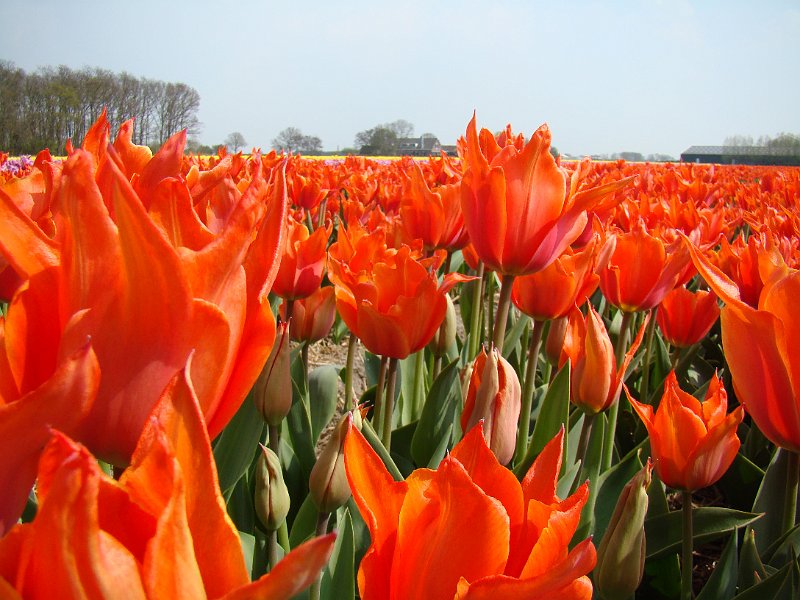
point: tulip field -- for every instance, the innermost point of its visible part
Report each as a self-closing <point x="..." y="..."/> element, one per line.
<point x="577" y="380"/>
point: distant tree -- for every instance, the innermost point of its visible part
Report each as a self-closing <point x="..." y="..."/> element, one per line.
<point x="235" y="141"/>
<point x="292" y="139"/>
<point x="660" y="158"/>
<point x="737" y="141"/>
<point x="786" y="141"/>
<point x="632" y="156"/>
<point x="401" y="128"/>
<point x="378" y="141"/>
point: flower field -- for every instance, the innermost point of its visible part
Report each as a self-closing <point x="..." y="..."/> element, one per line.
<point x="580" y="379"/>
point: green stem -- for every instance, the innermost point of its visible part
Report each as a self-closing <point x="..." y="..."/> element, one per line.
<point x="792" y="479"/>
<point x="377" y="417"/>
<point x="586" y="433"/>
<point x="503" y="304"/>
<point x="388" y="407"/>
<point x="309" y="222"/>
<point x="283" y="537"/>
<point x="322" y="528"/>
<point x="272" y="549"/>
<point x="274" y="438"/>
<point x="419" y="384"/>
<point x="475" y="316"/>
<point x="489" y="293"/>
<point x="648" y="350"/>
<point x="289" y="304"/>
<point x="527" y="391"/>
<point x="304" y="358"/>
<point x="608" y="440"/>
<point x="688" y="543"/>
<point x="349" y="392"/>
<point x="321" y="213"/>
<point x="437" y="367"/>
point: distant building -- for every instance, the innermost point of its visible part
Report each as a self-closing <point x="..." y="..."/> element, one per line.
<point x="741" y="155"/>
<point x="424" y="145"/>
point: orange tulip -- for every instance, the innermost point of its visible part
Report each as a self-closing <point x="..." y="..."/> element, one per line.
<point x="469" y="529"/>
<point x="693" y="444"/>
<point x="686" y="317"/>
<point x="595" y="379"/>
<point x="517" y="207"/>
<point x="493" y="396"/>
<point x="568" y="281"/>
<point x="312" y="316"/>
<point x="303" y="263"/>
<point x="642" y="270"/>
<point x="161" y="531"/>
<point x="759" y="345"/>
<point x="389" y="299"/>
<point x="146" y="287"/>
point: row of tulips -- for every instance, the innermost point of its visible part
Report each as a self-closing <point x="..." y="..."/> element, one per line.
<point x="147" y="389"/>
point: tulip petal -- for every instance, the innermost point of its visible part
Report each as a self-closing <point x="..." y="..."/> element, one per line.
<point x="166" y="163"/>
<point x="434" y="548"/>
<point x="62" y="401"/>
<point x="22" y="243"/>
<point x="541" y="480"/>
<point x="292" y="575"/>
<point x="712" y="457"/>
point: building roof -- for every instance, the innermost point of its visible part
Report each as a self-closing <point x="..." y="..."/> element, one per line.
<point x="738" y="151"/>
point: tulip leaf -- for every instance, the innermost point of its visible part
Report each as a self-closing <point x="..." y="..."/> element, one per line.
<point x="441" y="450"/>
<point x="591" y="470"/>
<point x="338" y="578"/>
<point x="740" y="483"/>
<point x="554" y="414"/>
<point x="567" y="479"/>
<point x="751" y="569"/>
<point x="305" y="523"/>
<point x="770" y="499"/>
<point x="241" y="507"/>
<point x="778" y="586"/>
<point x="248" y="546"/>
<point x="514" y="332"/>
<point x="664" y="531"/>
<point x="722" y="583"/>
<point x="298" y="422"/>
<point x="323" y="392"/>
<point x="375" y="442"/>
<point x="236" y="446"/>
<point x="609" y="487"/>
<point x="780" y="552"/>
<point x="438" y="415"/>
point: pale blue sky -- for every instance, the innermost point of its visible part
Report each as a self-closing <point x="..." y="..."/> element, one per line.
<point x="649" y="76"/>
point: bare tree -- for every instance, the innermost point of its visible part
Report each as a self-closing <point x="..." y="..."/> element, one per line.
<point x="292" y="139"/>
<point x="235" y="141"/>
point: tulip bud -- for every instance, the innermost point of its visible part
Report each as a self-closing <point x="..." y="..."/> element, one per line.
<point x="445" y="336"/>
<point x="272" y="497"/>
<point x="273" y="389"/>
<point x="328" y="482"/>
<point x="620" y="558"/>
<point x="494" y="396"/>
<point x="555" y="340"/>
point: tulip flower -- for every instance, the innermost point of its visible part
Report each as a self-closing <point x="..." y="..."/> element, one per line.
<point x="135" y="270"/>
<point x="493" y="396"/>
<point x="272" y="499"/>
<point x="312" y="316"/>
<point x="642" y="270"/>
<point x="389" y="299"/>
<point x="303" y="263"/>
<point x="161" y="531"/>
<point x="468" y="530"/>
<point x="758" y="343"/>
<point x="595" y="379"/>
<point x="686" y="317"/>
<point x="693" y="443"/>
<point x="517" y="207"/>
<point x="273" y="390"/>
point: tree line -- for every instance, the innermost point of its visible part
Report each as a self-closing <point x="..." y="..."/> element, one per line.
<point x="45" y="108"/>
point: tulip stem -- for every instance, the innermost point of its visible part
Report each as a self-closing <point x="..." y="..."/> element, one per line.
<point x="349" y="392"/>
<point x="437" y="367"/>
<point x="527" y="391"/>
<point x="608" y="440"/>
<point x="419" y="384"/>
<point x="489" y="291"/>
<point x="289" y="304"/>
<point x="379" y="395"/>
<point x="388" y="404"/>
<point x="790" y="504"/>
<point x="272" y="549"/>
<point x="503" y="304"/>
<point x="322" y="528"/>
<point x="688" y="543"/>
<point x="321" y="213"/>
<point x="475" y="316"/>
<point x="304" y="358"/>
<point x="648" y="350"/>
<point x="583" y="443"/>
<point x="274" y="438"/>
<point x="309" y="222"/>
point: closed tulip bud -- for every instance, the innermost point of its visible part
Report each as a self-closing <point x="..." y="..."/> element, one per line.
<point x="272" y="497"/>
<point x="273" y="389"/>
<point x="620" y="558"/>
<point x="328" y="482"/>
<point x="554" y="344"/>
<point x="494" y="396"/>
<point x="445" y="336"/>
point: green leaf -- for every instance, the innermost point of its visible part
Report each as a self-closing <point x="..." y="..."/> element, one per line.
<point x="781" y="551"/>
<point x="305" y="523"/>
<point x="248" y="546"/>
<point x="591" y="471"/>
<point x="770" y="500"/>
<point x="241" y="507"/>
<point x="323" y="392"/>
<point x="777" y="586"/>
<point x="740" y="483"/>
<point x="514" y="332"/>
<point x="554" y="414"/>
<point x="235" y="447"/>
<point x="751" y="569"/>
<point x="664" y="531"/>
<point x="722" y="583"/>
<point x="441" y="450"/>
<point x="298" y="423"/>
<point x="609" y="487"/>
<point x="438" y="414"/>
<point x="380" y="449"/>
<point x="338" y="578"/>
